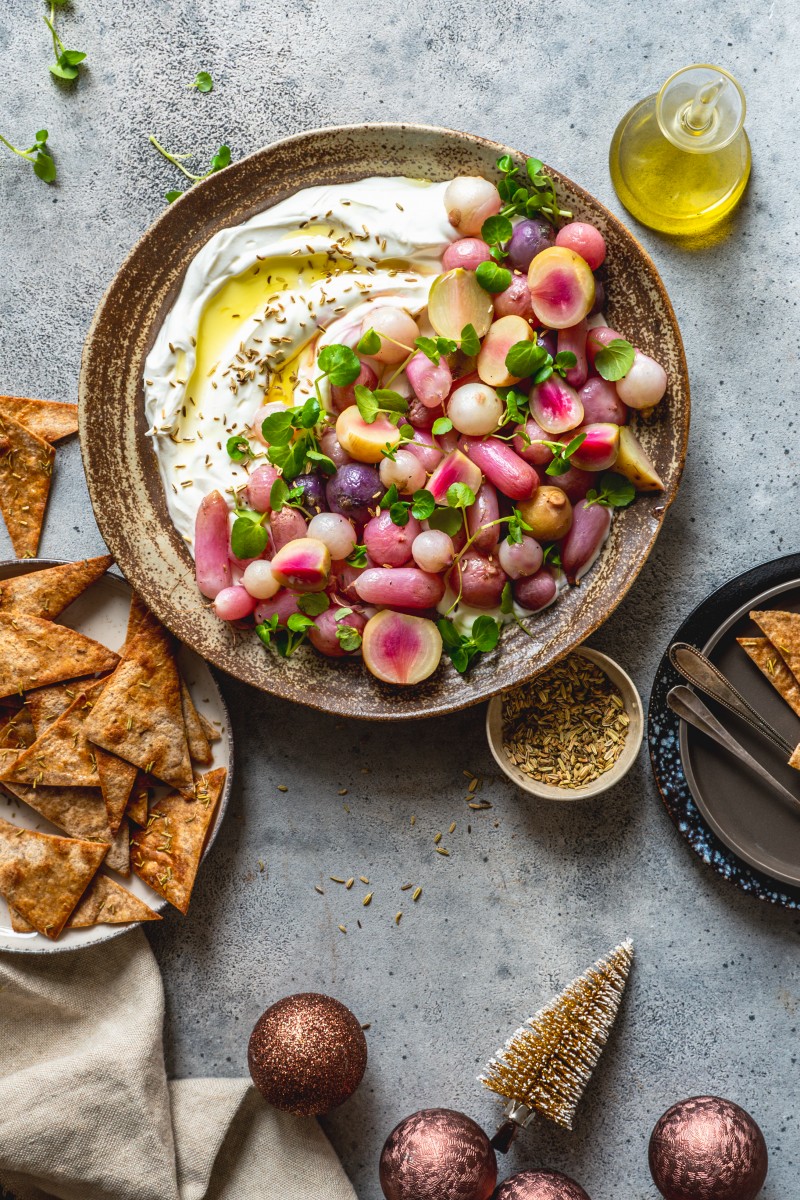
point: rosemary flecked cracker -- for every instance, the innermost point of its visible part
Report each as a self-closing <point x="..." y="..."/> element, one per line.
<point x="199" y="748"/>
<point x="117" y="778"/>
<point x="139" y="715"/>
<point x="783" y="630"/>
<point x="43" y="877"/>
<point x="770" y="663"/>
<point x="61" y="756"/>
<point x="167" y="853"/>
<point x="48" y="592"/>
<point x="26" y="470"/>
<point x="48" y="419"/>
<point x="18" y="732"/>
<point x="35" y="652"/>
<point x="139" y="800"/>
<point x="103" y="903"/>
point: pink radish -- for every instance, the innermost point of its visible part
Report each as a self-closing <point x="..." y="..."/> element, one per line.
<point x="405" y="587"/>
<point x="508" y="472"/>
<point x="211" y="562"/>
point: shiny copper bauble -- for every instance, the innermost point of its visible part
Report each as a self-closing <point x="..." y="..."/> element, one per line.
<point x="438" y="1154"/>
<point x="540" y="1185"/>
<point x="307" y="1054"/>
<point x="707" y="1149"/>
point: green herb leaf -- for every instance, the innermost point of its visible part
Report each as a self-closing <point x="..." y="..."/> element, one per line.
<point x="516" y="406"/>
<point x="458" y="495"/>
<point x="399" y="512"/>
<point x="278" y="495"/>
<point x="203" y="82"/>
<point x="441" y="425"/>
<point x="614" y="360"/>
<point x="526" y="358"/>
<point x="369" y="342"/>
<point x="506" y="600"/>
<point x="390" y="497"/>
<point x="267" y="629"/>
<point x="563" y="361"/>
<point x="358" y="557"/>
<point x="485" y="634"/>
<point x="308" y="415"/>
<point x="248" y="538"/>
<point x="313" y="603"/>
<point x="493" y="278"/>
<point x="220" y="160"/>
<point x="496" y="230"/>
<point x="552" y="556"/>
<point x="390" y="401"/>
<point x="422" y="504"/>
<point x="43" y="167"/>
<point x="615" y="491"/>
<point x="470" y="342"/>
<point x="341" y="612"/>
<point x="238" y="448"/>
<point x="446" y="519"/>
<point x="341" y="364"/>
<point x="277" y="429"/>
<point x="460" y="649"/>
<point x="562" y="454"/>
<point x="325" y="464"/>
<point x="367" y="404"/>
<point x="428" y="347"/>
<point x="299" y="623"/>
<point x="348" y="637"/>
<point x="172" y="195"/>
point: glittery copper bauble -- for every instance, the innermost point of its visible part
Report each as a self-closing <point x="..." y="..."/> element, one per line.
<point x="307" y="1054"/>
<point x="540" y="1185"/>
<point x="438" y="1154"/>
<point x="707" y="1149"/>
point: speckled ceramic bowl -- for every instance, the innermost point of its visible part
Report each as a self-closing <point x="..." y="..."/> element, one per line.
<point x="121" y="469"/>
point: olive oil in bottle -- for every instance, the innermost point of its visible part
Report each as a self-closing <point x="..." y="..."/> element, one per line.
<point x="680" y="159"/>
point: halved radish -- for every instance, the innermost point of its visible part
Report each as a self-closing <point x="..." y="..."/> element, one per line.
<point x="399" y="648"/>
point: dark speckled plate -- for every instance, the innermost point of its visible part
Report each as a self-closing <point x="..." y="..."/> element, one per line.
<point x="121" y="469"/>
<point x="731" y="800"/>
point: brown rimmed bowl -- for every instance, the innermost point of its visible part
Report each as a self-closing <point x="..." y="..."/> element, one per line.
<point x="122" y="473"/>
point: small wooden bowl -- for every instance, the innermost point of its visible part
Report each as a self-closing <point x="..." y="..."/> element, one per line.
<point x="633" y="740"/>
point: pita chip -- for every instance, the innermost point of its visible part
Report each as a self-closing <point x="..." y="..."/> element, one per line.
<point x="35" y="652"/>
<point x="46" y="704"/>
<point x="139" y="619"/>
<point x="139" y="800"/>
<point x="61" y="756"/>
<point x="48" y="419"/>
<point x="199" y="748"/>
<point x="783" y="630"/>
<point x="104" y="903"/>
<point x="117" y="778"/>
<point x="19" y="732"/>
<point x="167" y="853"/>
<point x="772" y="666"/>
<point x="47" y="593"/>
<point x="43" y="877"/>
<point x="139" y="714"/>
<point x="119" y="852"/>
<point x="26" y="470"/>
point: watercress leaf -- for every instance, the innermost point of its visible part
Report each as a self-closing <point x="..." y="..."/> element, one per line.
<point x="341" y="364"/>
<point x="63" y="70"/>
<point x="506" y="164"/>
<point x="564" y="360"/>
<point x="277" y="429"/>
<point x="325" y="464"/>
<point x="294" y="458"/>
<point x="446" y="345"/>
<point x="534" y="167"/>
<point x="526" y="358"/>
<point x="220" y="160"/>
<point x="498" y="253"/>
<point x="399" y="512"/>
<point x="238" y="448"/>
<point x="450" y="635"/>
<point x="516" y="405"/>
<point x="369" y="342"/>
<point x="618" y="490"/>
<point x="313" y="603"/>
<point x="422" y="504"/>
<point x="506" y="600"/>
<point x="299" y="623"/>
<point x="248" y="539"/>
<point x="357" y="557"/>
<point x="73" y="57"/>
<point x="203" y="82"/>
<point x="278" y="495"/>
<point x="390" y="497"/>
<point x="428" y="347"/>
<point x="391" y="401"/>
<point x="552" y="557"/>
<point x="341" y="612"/>
<point x="544" y="373"/>
<point x="367" y="404"/>
<point x="446" y="519"/>
<point x="493" y="278"/>
<point x="574" y="445"/>
<point x="460" y="658"/>
<point x="41" y="137"/>
<point x="615" y="360"/>
<point x="458" y="495"/>
<point x="44" y="167"/>
<point x="348" y="637"/>
<point x="485" y="634"/>
<point x="441" y="425"/>
<point x="470" y="342"/>
<point x="308" y="415"/>
<point x="496" y="230"/>
<point x="407" y="432"/>
<point x="266" y="629"/>
<point x="173" y="195"/>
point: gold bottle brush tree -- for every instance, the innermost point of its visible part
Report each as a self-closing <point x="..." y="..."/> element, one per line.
<point x="680" y="159"/>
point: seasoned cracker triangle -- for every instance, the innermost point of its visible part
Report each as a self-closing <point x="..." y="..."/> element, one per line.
<point x="34" y="652"/>
<point x="26" y="470"/>
<point x="117" y="778"/>
<point x="139" y="715"/>
<point x="44" y="877"/>
<point x="167" y="853"/>
<point x="783" y="630"/>
<point x="48" y="419"/>
<point x="47" y="593"/>
<point x="103" y="903"/>
<point x="771" y="665"/>
<point x="61" y="756"/>
<point x="199" y="748"/>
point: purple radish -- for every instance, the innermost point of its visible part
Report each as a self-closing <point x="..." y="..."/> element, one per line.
<point x="601" y="402"/>
<point x="480" y="580"/>
<point x="480" y="515"/>
<point x="323" y="633"/>
<point x="286" y="526"/>
<point x="581" y="546"/>
<point x="536" y="591"/>
<point x="573" y="341"/>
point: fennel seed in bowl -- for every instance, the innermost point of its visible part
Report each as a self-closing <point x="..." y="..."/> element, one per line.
<point x="567" y="726"/>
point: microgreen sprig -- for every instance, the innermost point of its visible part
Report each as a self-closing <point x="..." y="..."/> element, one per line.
<point x="462" y="649"/>
<point x="420" y="506"/>
<point x="562" y="453"/>
<point x="285" y="638"/>
<point x="507" y="608"/>
<point x="248" y="536"/>
<point x="531" y="197"/>
<point x="67" y="62"/>
<point x="614" y="360"/>
<point x="615" y="491"/>
<point x="38" y="155"/>
<point x="219" y="161"/>
<point x="202" y="82"/>
<point x="529" y="359"/>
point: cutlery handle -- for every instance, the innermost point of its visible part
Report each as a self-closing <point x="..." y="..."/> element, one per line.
<point x="693" y="665"/>
<point x="690" y="708"/>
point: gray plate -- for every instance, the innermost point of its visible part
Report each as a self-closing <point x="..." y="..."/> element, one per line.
<point x="748" y="817"/>
<point x="101" y="612"/>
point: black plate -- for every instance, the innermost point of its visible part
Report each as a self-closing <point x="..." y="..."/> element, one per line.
<point x="726" y="788"/>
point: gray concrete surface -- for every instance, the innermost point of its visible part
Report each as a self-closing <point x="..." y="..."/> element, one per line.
<point x="534" y="893"/>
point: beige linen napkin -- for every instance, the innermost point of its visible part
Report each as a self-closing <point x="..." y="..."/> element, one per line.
<point x="86" y="1112"/>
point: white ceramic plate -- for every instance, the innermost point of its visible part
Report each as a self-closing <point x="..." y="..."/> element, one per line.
<point x="102" y="613"/>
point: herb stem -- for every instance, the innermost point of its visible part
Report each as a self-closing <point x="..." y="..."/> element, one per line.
<point x="57" y="42"/>
<point x="175" y="159"/>
<point x="22" y="153"/>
